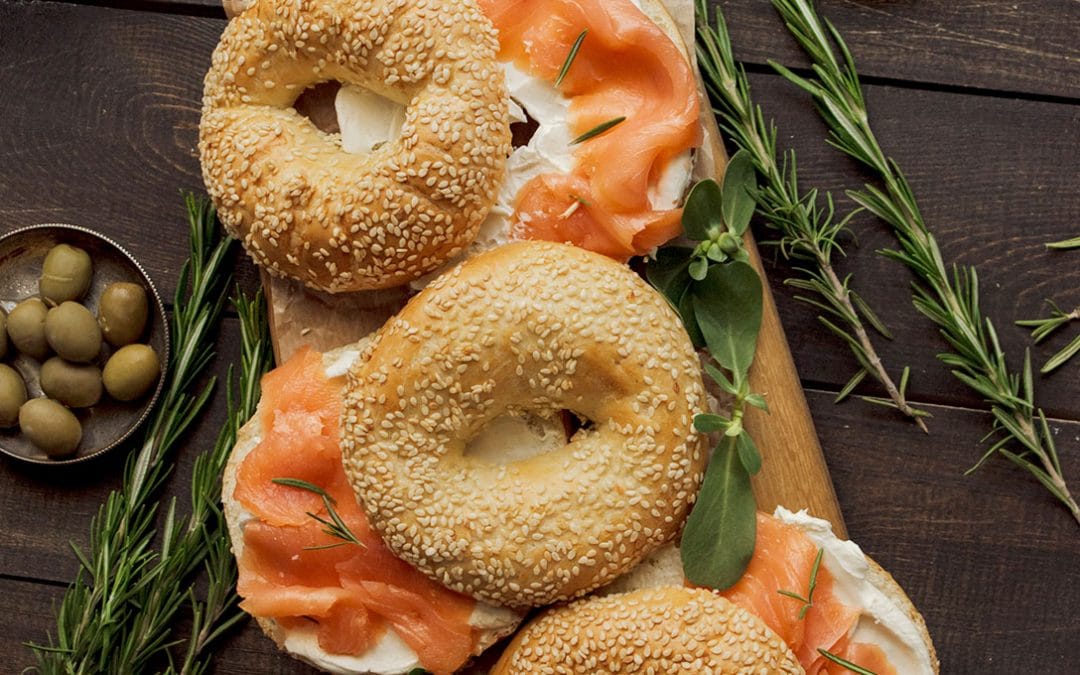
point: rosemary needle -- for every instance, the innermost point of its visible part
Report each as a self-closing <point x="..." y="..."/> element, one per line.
<point x="808" y="601"/>
<point x="570" y="57"/>
<point x="947" y="296"/>
<point x="598" y="129"/>
<point x="335" y="527"/>
<point x="859" y="670"/>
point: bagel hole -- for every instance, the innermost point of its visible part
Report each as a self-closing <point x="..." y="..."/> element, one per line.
<point x="522" y="132"/>
<point x="316" y="103"/>
<point x="513" y="437"/>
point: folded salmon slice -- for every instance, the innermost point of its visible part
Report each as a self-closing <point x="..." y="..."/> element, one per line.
<point x="626" y="67"/>
<point x="294" y="572"/>
<point x="784" y="560"/>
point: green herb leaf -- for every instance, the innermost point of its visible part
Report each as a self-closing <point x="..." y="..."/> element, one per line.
<point x="699" y="267"/>
<point x="740" y="180"/>
<point x="703" y="210"/>
<point x="689" y="317"/>
<point x="758" y="401"/>
<point x="727" y="307"/>
<point x="1057" y="360"/>
<point x="707" y="423"/>
<point x="598" y="129"/>
<point x="668" y="272"/>
<point x="718" y="541"/>
<point x="749" y="454"/>
<point x="1065" y="244"/>
<point x="845" y="663"/>
<point x="718" y="376"/>
<point x="570" y="57"/>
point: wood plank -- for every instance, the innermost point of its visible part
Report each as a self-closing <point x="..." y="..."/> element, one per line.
<point x="1026" y="47"/>
<point x="102" y="132"/>
<point x="988" y="558"/>
<point x="995" y="178"/>
<point x="116" y="141"/>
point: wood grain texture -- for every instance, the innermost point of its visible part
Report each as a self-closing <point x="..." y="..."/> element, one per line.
<point x="996" y="180"/>
<point x="1026" y="47"/>
<point x="104" y="136"/>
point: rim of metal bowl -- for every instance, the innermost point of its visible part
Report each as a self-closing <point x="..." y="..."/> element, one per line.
<point x="167" y="340"/>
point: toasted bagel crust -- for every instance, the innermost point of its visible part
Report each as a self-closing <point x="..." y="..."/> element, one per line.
<point x="539" y="327"/>
<point x="666" y="630"/>
<point x="302" y="206"/>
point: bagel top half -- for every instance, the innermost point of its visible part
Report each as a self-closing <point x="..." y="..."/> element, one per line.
<point x="339" y="221"/>
<point x="527" y="328"/>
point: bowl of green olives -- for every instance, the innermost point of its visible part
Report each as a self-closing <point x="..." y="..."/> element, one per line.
<point x="84" y="341"/>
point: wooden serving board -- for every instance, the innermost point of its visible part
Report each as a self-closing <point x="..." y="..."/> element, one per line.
<point x="793" y="474"/>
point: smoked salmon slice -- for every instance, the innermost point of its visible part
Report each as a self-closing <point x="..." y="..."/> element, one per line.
<point x="626" y="67"/>
<point x="294" y="572"/>
<point x="783" y="560"/>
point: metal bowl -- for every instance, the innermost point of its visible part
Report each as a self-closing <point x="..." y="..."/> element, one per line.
<point x="110" y="422"/>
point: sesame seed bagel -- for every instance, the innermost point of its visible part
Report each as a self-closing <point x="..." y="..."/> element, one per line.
<point x="663" y="630"/>
<point x="302" y="206"/>
<point x="530" y="327"/>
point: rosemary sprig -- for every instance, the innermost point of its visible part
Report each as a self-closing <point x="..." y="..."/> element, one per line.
<point x="335" y="527"/>
<point x="111" y="618"/>
<point x="808" y="601"/>
<point x="598" y="129"/>
<point x="949" y="299"/>
<point x="858" y="670"/>
<point x="570" y="57"/>
<point x="809" y="231"/>
<point x="217" y="612"/>
<point x="1042" y="328"/>
<point x="1065" y="244"/>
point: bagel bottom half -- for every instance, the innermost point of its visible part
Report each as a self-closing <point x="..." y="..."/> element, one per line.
<point x="390" y="654"/>
<point x="665" y="630"/>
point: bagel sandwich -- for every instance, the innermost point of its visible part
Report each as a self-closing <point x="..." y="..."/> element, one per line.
<point x="618" y="193"/>
<point x="331" y="621"/>
<point x="866" y="615"/>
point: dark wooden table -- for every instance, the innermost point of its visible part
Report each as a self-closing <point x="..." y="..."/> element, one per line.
<point x="979" y="102"/>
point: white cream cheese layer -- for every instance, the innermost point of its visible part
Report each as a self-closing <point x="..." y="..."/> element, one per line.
<point x="882" y="621"/>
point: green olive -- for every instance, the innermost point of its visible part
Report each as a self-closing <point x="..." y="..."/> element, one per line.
<point x="122" y="313"/>
<point x="50" y="426"/>
<point x="66" y="274"/>
<point x="76" y="385"/>
<point x="131" y="372"/>
<point x="73" y="332"/>
<point x="3" y="334"/>
<point x="12" y="395"/>
<point x="26" y="328"/>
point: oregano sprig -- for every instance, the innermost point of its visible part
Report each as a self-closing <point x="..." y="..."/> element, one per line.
<point x="719" y="298"/>
<point x="947" y="296"/>
<point x="809" y="229"/>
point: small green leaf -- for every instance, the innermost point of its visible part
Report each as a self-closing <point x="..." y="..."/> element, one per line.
<point x="689" y="317"/>
<point x="850" y="386"/>
<point x="702" y="211"/>
<point x="749" y="454"/>
<point x="740" y="182"/>
<point x="699" y="267"/>
<point x="707" y="423"/>
<point x="720" y="533"/>
<point x="598" y="129"/>
<point x="715" y="253"/>
<point x="718" y="376"/>
<point x="727" y="308"/>
<point x="758" y="401"/>
<point x="668" y="272"/>
<point x="1065" y="244"/>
